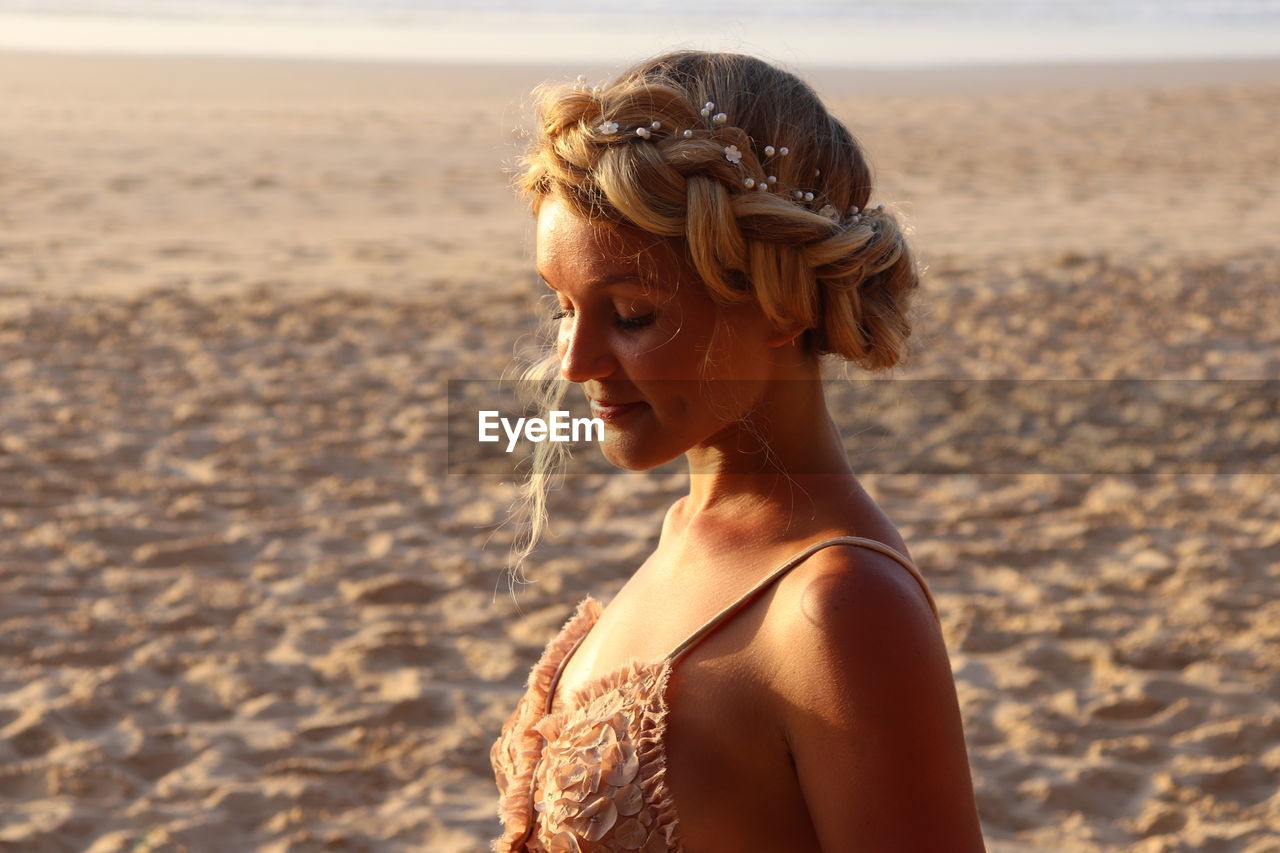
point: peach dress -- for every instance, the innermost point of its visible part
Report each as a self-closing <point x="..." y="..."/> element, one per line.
<point x="591" y="776"/>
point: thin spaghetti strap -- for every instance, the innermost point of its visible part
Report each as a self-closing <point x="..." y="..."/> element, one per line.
<point x="694" y="638"/>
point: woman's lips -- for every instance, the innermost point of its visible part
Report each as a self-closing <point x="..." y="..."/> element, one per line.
<point x="613" y="413"/>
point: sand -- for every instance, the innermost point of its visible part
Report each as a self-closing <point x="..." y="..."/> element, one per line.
<point x="244" y="606"/>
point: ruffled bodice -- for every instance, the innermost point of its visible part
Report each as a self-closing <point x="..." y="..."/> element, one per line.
<point x="591" y="776"/>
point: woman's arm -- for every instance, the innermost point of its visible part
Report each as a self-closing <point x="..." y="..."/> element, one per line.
<point x="870" y="712"/>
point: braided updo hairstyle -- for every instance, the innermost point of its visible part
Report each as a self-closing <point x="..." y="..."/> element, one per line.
<point x="844" y="278"/>
<point x="803" y="246"/>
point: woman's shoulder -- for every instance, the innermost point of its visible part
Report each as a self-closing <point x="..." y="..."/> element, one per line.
<point x="846" y="600"/>
<point x="862" y="693"/>
<point x="843" y="578"/>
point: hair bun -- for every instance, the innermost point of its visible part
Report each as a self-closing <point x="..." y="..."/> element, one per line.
<point x="742" y="164"/>
<point x="865" y="307"/>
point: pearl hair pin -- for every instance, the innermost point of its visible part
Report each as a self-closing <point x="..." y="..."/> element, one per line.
<point x="734" y="155"/>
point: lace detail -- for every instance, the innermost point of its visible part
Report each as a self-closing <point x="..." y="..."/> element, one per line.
<point x="591" y="776"/>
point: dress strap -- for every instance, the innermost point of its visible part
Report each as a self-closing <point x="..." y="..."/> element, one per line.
<point x="684" y="648"/>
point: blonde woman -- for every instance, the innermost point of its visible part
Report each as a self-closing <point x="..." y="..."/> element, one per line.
<point x="773" y="677"/>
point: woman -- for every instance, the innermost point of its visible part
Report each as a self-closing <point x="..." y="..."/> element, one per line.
<point x="773" y="677"/>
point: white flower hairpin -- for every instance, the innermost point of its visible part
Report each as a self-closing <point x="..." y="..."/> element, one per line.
<point x="734" y="155"/>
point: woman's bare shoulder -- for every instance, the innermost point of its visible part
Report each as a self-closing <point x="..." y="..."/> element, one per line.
<point x="866" y="702"/>
<point x="846" y="609"/>
<point x="840" y="580"/>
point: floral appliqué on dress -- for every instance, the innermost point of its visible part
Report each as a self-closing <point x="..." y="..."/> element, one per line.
<point x="591" y="776"/>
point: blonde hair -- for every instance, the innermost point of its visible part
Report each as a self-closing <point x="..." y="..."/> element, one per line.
<point x="845" y="280"/>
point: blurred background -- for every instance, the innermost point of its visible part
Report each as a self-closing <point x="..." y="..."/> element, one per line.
<point x="245" y="245"/>
<point x="879" y="33"/>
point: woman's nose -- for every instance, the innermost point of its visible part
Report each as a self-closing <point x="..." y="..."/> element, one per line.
<point x="584" y="353"/>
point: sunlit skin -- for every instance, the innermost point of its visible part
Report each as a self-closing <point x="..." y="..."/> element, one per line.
<point x="824" y="716"/>
<point x="637" y="326"/>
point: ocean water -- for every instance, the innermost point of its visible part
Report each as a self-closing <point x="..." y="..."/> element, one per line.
<point x="902" y="33"/>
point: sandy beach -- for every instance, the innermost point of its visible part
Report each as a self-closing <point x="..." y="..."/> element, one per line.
<point x="244" y="606"/>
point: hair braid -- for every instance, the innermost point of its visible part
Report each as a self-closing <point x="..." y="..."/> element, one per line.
<point x="846" y="280"/>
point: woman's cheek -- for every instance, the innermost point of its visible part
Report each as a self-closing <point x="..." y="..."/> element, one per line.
<point x="645" y="355"/>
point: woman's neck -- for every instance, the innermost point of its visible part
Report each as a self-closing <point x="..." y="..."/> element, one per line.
<point x="785" y="464"/>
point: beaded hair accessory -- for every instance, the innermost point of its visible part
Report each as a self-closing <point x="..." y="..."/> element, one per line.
<point x="717" y="121"/>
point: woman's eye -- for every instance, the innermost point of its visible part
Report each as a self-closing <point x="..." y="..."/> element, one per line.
<point x="633" y="322"/>
<point x="627" y="323"/>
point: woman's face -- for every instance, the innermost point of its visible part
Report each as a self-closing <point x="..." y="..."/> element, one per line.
<point x="636" y="332"/>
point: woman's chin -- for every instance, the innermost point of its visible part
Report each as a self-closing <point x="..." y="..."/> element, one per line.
<point x="627" y="453"/>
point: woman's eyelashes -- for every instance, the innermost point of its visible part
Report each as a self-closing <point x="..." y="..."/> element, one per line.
<point x="622" y="322"/>
<point x="632" y="323"/>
